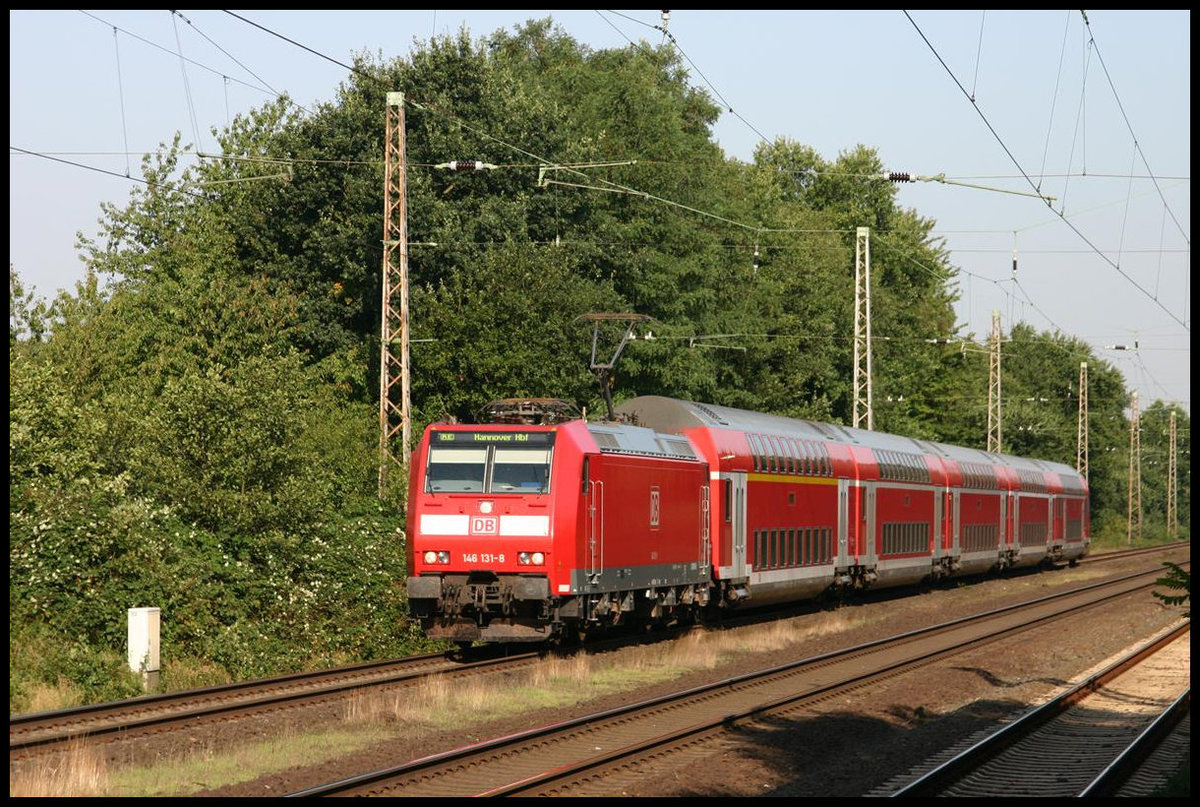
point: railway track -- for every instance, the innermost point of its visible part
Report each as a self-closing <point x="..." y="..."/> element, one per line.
<point x="572" y="757"/>
<point x="1090" y="740"/>
<point x="44" y="732"/>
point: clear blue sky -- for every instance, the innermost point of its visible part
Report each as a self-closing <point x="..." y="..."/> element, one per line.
<point x="1096" y="115"/>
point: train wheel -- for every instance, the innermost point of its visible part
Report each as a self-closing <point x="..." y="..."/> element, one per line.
<point x="709" y="616"/>
<point x="581" y="633"/>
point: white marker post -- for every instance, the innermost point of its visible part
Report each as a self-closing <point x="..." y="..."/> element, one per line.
<point x="143" y="645"/>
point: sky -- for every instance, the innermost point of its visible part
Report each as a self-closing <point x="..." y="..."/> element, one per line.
<point x="1063" y="141"/>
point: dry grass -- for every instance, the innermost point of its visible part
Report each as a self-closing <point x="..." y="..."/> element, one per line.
<point x="576" y="669"/>
<point x="435" y="704"/>
<point x="78" y="771"/>
<point x="46" y="698"/>
<point x="703" y="649"/>
<point x="561" y="682"/>
<point x="218" y="766"/>
<point x="184" y="674"/>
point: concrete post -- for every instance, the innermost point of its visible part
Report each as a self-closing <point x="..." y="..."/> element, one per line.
<point x="143" y="645"/>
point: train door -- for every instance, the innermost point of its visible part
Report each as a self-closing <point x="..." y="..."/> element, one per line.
<point x="843" y="558"/>
<point x="1003" y="522"/>
<point x="1014" y="520"/>
<point x="956" y="524"/>
<point x="870" y="549"/>
<point x="936" y="534"/>
<point x="595" y="530"/>
<point x="947" y="533"/>
<point x="738" y="556"/>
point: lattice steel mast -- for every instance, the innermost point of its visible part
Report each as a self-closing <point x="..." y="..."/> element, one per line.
<point x="394" y="416"/>
<point x="863" y="403"/>
<point x="994" y="437"/>
<point x="1081" y="450"/>
<point x="1172" y="483"/>
<point x="1135" y="472"/>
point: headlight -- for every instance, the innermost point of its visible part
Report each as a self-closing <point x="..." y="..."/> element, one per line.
<point x="443" y="557"/>
<point x="523" y="558"/>
<point x="531" y="558"/>
<point x="431" y="557"/>
<point x="538" y="558"/>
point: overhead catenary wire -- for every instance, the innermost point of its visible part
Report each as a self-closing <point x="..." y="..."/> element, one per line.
<point x="942" y="178"/>
<point x="121" y="97"/>
<point x="102" y="171"/>
<point x="1137" y="146"/>
<point x="1032" y="184"/>
<point x="668" y="201"/>
<point x="347" y="67"/>
<point x="675" y="44"/>
<point x="232" y="58"/>
<point x="436" y="109"/>
<point x="630" y="190"/>
<point x="1054" y="100"/>
<point x="187" y="87"/>
<point x="156" y="46"/>
<point x="978" y="54"/>
<point x="1079" y="132"/>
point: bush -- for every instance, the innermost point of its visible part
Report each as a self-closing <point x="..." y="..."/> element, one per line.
<point x="72" y="671"/>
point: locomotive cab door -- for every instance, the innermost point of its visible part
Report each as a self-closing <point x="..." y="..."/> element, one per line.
<point x="595" y="530"/>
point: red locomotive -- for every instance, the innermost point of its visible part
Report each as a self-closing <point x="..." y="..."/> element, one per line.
<point x="527" y="532"/>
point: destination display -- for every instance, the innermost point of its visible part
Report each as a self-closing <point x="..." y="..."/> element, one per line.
<point x="514" y="438"/>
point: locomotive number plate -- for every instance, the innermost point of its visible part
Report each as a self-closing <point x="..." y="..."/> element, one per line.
<point x="486" y="557"/>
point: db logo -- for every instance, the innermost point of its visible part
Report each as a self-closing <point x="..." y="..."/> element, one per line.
<point x="485" y="525"/>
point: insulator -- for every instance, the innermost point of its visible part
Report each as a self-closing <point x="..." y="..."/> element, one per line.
<point x="466" y="165"/>
<point x="900" y="176"/>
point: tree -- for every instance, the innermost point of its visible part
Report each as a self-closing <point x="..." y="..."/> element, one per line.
<point x="26" y="313"/>
<point x="1176" y="579"/>
<point x="1156" y="447"/>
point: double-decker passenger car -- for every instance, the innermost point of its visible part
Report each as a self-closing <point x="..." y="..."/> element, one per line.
<point x="530" y="532"/>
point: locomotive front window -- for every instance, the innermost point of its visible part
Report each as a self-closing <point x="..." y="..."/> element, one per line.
<point x="462" y="467"/>
<point x="456" y="470"/>
<point x="521" y="470"/>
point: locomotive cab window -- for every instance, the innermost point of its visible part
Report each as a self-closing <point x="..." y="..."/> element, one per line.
<point x="521" y="470"/>
<point x="520" y="465"/>
<point x="454" y="469"/>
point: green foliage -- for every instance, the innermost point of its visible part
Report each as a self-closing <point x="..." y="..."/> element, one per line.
<point x="199" y="430"/>
<point x="493" y="327"/>
<point x="1177" y="579"/>
<point x="1155" y="467"/>
<point x="26" y="313"/>
<point x="42" y="660"/>
<point x="239" y="500"/>
<point x="223" y="445"/>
